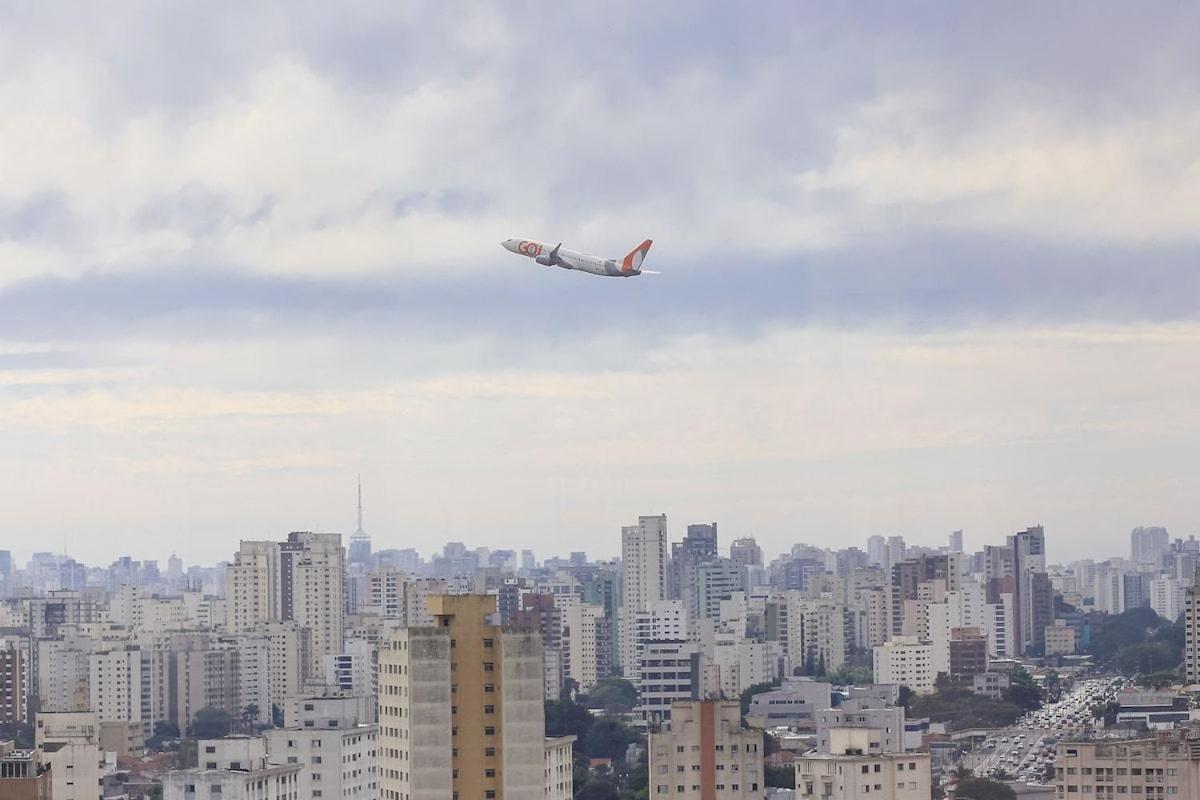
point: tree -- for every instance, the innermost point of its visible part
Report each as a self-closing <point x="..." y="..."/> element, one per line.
<point x="211" y="723"/>
<point x="249" y="716"/>
<point x="904" y="696"/>
<point x="567" y="718"/>
<point x="607" y="738"/>
<point x="1159" y="680"/>
<point x="569" y="689"/>
<point x="276" y="716"/>
<point x="779" y="777"/>
<point x="615" y="695"/>
<point x="984" y="789"/>
<point x="598" y="789"/>
<point x="1023" y="690"/>
<point x="1146" y="658"/>
<point x="850" y="676"/>
<point x="166" y="730"/>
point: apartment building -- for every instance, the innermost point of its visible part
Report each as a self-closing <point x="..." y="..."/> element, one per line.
<point x="460" y="707"/>
<point x="852" y="772"/>
<point x="706" y="754"/>
<point x="906" y="661"/>
<point x="1164" y="767"/>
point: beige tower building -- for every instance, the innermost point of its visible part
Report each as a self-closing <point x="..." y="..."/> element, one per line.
<point x="460" y="707"/>
<point x="706" y="754"/>
<point x="299" y="580"/>
<point x="644" y="578"/>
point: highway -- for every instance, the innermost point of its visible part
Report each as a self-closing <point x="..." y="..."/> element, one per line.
<point x="1026" y="749"/>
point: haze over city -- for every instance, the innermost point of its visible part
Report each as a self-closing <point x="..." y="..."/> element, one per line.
<point x="925" y="269"/>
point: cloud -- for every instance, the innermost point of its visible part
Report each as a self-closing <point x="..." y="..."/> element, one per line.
<point x="924" y="267"/>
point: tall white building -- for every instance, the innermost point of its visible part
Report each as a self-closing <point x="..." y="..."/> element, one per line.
<point x="1166" y="597"/>
<point x="252" y="586"/>
<point x="644" y="577"/>
<point x="583" y="622"/>
<point x="298" y="580"/>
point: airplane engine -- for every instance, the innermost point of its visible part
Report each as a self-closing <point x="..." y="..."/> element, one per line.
<point x="545" y="261"/>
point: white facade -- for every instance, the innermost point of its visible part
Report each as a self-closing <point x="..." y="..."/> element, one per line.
<point x="665" y="677"/>
<point x="1166" y="597"/>
<point x="906" y="661"/>
<point x="252" y="586"/>
<point x="559" y="766"/>
<point x="120" y="686"/>
<point x="70" y="743"/>
<point x="233" y="769"/>
<point x="581" y="620"/>
<point x="886" y="776"/>
<point x="644" y="577"/>
<point x="337" y="763"/>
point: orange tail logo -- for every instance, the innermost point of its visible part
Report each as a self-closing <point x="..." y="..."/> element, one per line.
<point x="633" y="261"/>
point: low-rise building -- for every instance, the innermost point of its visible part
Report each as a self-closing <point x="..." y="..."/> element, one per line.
<point x="23" y="774"/>
<point x="235" y="768"/>
<point x="855" y="774"/>
<point x="1152" y="709"/>
<point x="1060" y="639"/>
<point x="706" y="754"/>
<point x="560" y="768"/>
<point x="885" y="722"/>
<point x="991" y="684"/>
<point x="794" y="705"/>
<point x="337" y="753"/>
<point x="1165" y="767"/>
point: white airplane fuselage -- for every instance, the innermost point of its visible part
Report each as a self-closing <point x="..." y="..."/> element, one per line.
<point x="549" y="255"/>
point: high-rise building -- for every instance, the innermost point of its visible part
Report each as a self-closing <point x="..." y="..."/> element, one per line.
<point x="706" y="754"/>
<point x="1147" y="545"/>
<point x="644" y="568"/>
<point x="1032" y="593"/>
<point x="956" y="541"/>
<point x="906" y="661"/>
<point x="298" y="580"/>
<point x="461" y="708"/>
<point x="877" y="554"/>
<point x="715" y="580"/>
<point x="698" y="547"/>
<point x="1191" y="629"/>
<point x="12" y="683"/>
<point x="746" y="552"/>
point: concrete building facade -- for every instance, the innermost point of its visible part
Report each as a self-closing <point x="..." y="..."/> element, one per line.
<point x="706" y="754"/>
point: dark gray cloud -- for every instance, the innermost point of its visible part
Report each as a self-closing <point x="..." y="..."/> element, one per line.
<point x="923" y="283"/>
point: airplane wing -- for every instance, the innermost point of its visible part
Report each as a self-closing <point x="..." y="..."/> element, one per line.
<point x="553" y="254"/>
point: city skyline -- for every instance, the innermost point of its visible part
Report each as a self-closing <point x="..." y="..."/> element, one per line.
<point x="677" y="530"/>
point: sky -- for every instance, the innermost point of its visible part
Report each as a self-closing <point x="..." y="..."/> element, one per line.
<point x="925" y="267"/>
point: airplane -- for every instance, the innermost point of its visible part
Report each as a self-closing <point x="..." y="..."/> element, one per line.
<point x="556" y="256"/>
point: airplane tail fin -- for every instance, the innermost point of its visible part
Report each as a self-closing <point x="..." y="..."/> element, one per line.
<point x="633" y="261"/>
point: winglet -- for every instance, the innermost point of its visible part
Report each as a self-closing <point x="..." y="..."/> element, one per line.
<point x="633" y="261"/>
